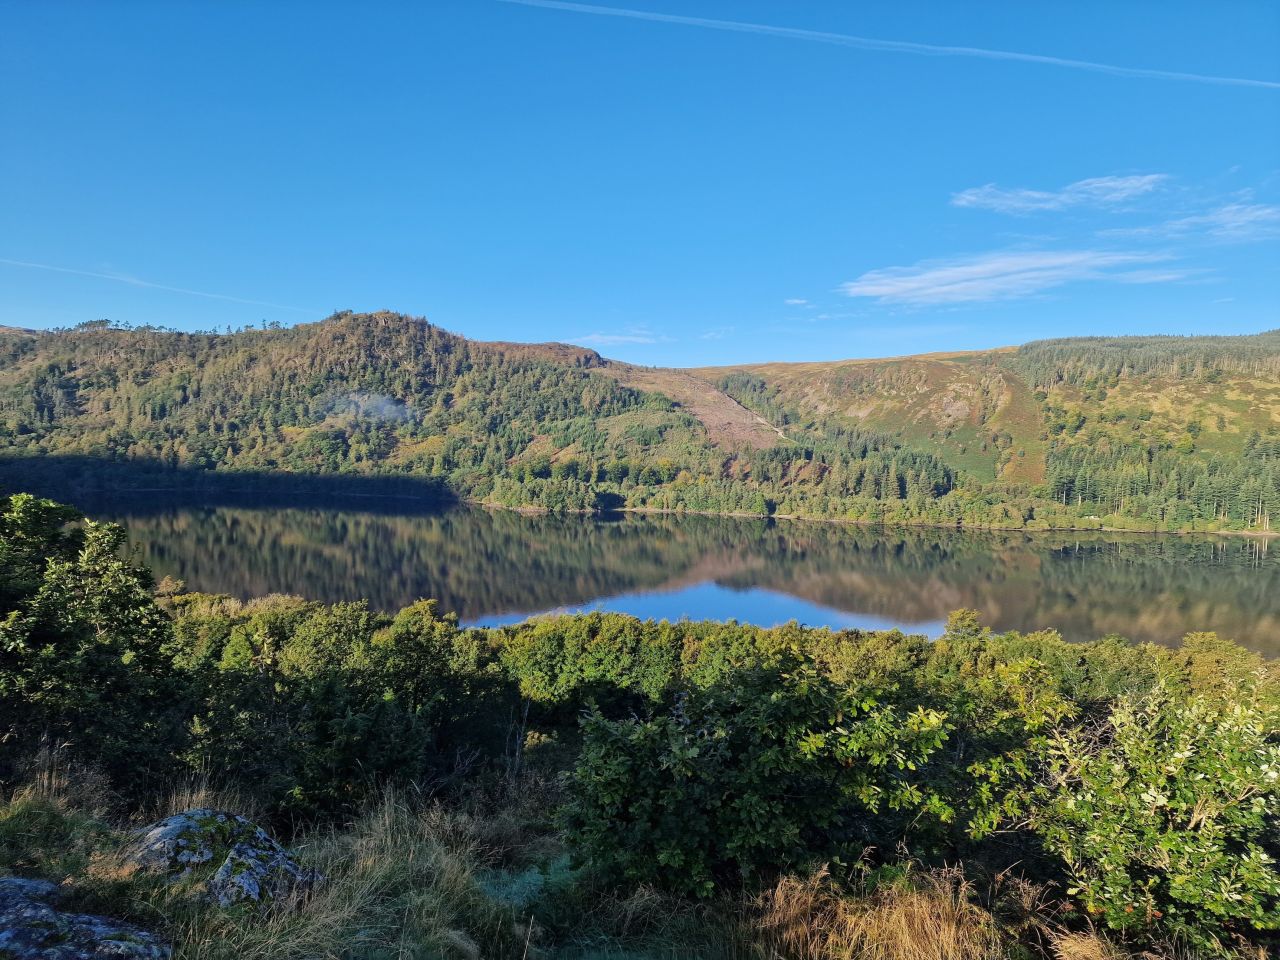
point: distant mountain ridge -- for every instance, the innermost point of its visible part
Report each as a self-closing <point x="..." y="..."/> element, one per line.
<point x="1137" y="432"/>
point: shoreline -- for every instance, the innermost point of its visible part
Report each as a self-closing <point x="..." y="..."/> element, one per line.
<point x="534" y="510"/>
<point x="529" y="510"/>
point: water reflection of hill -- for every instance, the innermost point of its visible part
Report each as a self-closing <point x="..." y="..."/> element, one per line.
<point x="483" y="563"/>
<point x="1143" y="587"/>
<point x="473" y="561"/>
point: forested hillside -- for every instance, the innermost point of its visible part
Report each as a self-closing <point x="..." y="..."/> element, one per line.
<point x="1143" y="433"/>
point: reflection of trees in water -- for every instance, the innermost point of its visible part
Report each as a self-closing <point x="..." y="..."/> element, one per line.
<point x="1159" y="588"/>
<point x="476" y="562"/>
<point x="480" y="563"/>
<point x="1085" y="585"/>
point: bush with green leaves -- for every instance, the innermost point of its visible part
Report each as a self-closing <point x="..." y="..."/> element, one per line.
<point x="1166" y="818"/>
<point x="84" y="649"/>
<point x="317" y="706"/>
<point x="607" y="659"/>
<point x="775" y="768"/>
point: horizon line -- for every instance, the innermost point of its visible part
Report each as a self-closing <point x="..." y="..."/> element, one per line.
<point x="346" y="314"/>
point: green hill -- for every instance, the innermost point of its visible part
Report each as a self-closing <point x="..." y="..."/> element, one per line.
<point x="1145" y="433"/>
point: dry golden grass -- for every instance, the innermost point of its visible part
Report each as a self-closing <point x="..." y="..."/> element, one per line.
<point x="196" y="791"/>
<point x="1092" y="945"/>
<point x="808" y="920"/>
<point x="52" y="777"/>
<point x="1084" y="946"/>
<point x="398" y="883"/>
<point x="932" y="918"/>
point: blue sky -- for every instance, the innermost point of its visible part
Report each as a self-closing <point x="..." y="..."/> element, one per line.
<point x="685" y="183"/>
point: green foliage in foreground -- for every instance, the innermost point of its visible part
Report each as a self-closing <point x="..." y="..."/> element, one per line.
<point x="85" y="653"/>
<point x="1166" y="815"/>
<point x="778" y="766"/>
<point x="1138" y="785"/>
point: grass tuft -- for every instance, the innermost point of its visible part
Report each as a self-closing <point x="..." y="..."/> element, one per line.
<point x="928" y="917"/>
<point x="399" y="883"/>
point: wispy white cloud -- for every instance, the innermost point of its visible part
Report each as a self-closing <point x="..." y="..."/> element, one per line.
<point x="1156" y="275"/>
<point x="719" y="333"/>
<point x="151" y="285"/>
<point x="1232" y="222"/>
<point x="795" y="302"/>
<point x="1002" y="275"/>
<point x="637" y="334"/>
<point x="1094" y="192"/>
<point x="894" y="46"/>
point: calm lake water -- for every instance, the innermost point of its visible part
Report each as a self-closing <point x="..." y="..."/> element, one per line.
<point x="496" y="567"/>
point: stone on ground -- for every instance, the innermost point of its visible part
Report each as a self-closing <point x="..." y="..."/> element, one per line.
<point x="242" y="862"/>
<point x="33" y="928"/>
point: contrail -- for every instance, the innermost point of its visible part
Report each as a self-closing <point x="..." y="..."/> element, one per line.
<point x="894" y="46"/>
<point x="135" y="282"/>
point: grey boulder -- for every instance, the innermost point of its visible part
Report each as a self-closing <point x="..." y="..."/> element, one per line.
<point x="33" y="928"/>
<point x="242" y="862"/>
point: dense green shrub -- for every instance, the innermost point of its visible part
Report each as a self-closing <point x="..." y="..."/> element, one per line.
<point x="781" y="768"/>
<point x="318" y="706"/>
<point x="84" y="649"/>
<point x="607" y="659"/>
<point x="1166" y="817"/>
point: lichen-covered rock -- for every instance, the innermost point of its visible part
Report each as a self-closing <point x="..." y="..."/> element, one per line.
<point x="32" y="928"/>
<point x="180" y="844"/>
<point x="259" y="872"/>
<point x="244" y="863"/>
